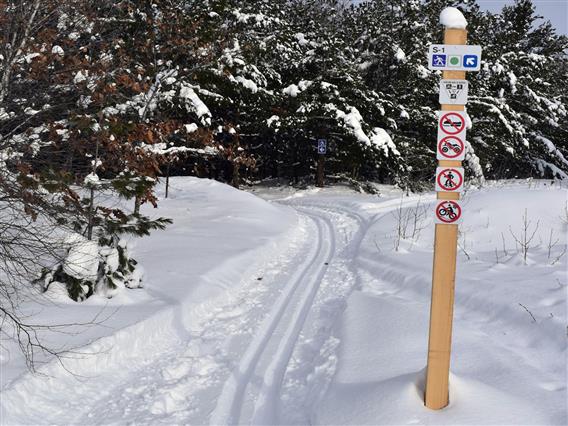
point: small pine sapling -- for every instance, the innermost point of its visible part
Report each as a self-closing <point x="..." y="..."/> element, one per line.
<point x="101" y="264"/>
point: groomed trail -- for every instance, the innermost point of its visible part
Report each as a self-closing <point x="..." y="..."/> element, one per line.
<point x="313" y="309"/>
<point x="266" y="356"/>
<point x="262" y="353"/>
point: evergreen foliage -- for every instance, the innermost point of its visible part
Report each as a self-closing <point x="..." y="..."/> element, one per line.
<point x="111" y="92"/>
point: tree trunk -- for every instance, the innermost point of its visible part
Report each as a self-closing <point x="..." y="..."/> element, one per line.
<point x="90" y="218"/>
<point x="167" y="178"/>
<point x="236" y="175"/>
<point x="320" y="171"/>
<point x="137" y="204"/>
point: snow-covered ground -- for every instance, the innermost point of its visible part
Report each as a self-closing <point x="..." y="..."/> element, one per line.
<point x="305" y="307"/>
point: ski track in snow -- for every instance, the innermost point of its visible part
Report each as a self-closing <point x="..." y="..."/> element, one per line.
<point x="279" y="361"/>
<point x="284" y="361"/>
<point x="305" y="282"/>
<point x="268" y="353"/>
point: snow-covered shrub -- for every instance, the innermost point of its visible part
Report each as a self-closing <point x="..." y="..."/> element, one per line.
<point x="93" y="267"/>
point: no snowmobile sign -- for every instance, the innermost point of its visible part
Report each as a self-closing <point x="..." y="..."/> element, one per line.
<point x="453" y="92"/>
<point x="451" y="123"/>
<point x="448" y="212"/>
<point x="449" y="179"/>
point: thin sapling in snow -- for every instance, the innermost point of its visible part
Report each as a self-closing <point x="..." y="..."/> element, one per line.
<point x="524" y="240"/>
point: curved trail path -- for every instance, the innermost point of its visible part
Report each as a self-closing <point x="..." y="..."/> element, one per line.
<point x="266" y="356"/>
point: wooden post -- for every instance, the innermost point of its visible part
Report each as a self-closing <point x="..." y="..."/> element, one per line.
<point x="443" y="275"/>
<point x="320" y="171"/>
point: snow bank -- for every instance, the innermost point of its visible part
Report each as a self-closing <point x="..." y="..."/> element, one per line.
<point x="359" y="358"/>
<point x="219" y="239"/>
<point x="452" y="17"/>
<point x="507" y="367"/>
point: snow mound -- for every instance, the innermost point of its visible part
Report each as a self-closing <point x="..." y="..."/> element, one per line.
<point x="82" y="262"/>
<point x="452" y="17"/>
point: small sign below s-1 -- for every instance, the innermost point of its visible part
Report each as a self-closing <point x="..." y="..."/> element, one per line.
<point x="454" y="57"/>
<point x="453" y="92"/>
<point x="322" y="146"/>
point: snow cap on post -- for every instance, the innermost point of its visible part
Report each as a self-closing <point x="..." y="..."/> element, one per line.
<point x="452" y="18"/>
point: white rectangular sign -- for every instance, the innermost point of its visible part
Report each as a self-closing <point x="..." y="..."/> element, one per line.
<point x="448" y="212"/>
<point x="451" y="147"/>
<point x="453" y="92"/>
<point x="452" y="123"/>
<point x="453" y="57"/>
<point x="449" y="179"/>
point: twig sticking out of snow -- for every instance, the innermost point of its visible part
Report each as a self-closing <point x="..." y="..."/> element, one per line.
<point x="452" y="18"/>
<point x="530" y="313"/>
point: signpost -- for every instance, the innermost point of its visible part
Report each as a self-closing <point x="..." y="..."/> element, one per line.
<point x="322" y="151"/>
<point x="454" y="58"/>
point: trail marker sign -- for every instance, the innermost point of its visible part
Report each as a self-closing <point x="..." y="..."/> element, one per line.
<point x="448" y="212"/>
<point x="454" y="92"/>
<point x="453" y="57"/>
<point x="449" y="179"/>
<point x="322" y="146"/>
<point x="451" y="148"/>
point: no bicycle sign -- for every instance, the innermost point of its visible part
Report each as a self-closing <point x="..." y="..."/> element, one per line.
<point x="448" y="212"/>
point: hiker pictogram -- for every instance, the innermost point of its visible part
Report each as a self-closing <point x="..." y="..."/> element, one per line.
<point x="449" y="179"/>
<point x="451" y="148"/>
<point x="448" y="212"/>
<point x="439" y="61"/>
<point x="452" y="123"/>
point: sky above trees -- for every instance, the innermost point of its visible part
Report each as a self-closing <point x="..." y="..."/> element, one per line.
<point x="554" y="10"/>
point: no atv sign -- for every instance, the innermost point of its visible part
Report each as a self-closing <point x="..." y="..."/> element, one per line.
<point x="451" y="148"/>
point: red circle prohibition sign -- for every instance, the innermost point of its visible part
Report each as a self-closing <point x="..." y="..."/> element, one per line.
<point x="451" y="147"/>
<point x="455" y="123"/>
<point x="448" y="211"/>
<point x="450" y="179"/>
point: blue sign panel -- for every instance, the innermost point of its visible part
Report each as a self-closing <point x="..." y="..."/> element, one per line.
<point x="322" y="146"/>
<point x="439" y="61"/>
<point x="470" y="61"/>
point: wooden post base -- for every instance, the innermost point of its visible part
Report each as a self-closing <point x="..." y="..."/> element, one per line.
<point x="441" y="315"/>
